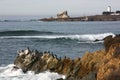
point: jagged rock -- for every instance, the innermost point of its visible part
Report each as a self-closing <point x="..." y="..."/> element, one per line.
<point x="73" y="69"/>
<point x="99" y="65"/>
<point x="110" y="40"/>
<point x="111" y="65"/>
<point x="110" y="68"/>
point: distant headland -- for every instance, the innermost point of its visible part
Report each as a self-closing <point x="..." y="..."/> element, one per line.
<point x="105" y="16"/>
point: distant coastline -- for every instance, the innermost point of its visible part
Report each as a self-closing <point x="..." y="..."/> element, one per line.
<point x="63" y="16"/>
<point x="86" y="18"/>
<point x="105" y="16"/>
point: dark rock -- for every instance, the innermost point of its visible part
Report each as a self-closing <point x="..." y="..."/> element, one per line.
<point x="109" y="40"/>
<point x="15" y="68"/>
<point x="60" y="79"/>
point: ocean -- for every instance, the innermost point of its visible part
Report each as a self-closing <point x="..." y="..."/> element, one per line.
<point x="71" y="39"/>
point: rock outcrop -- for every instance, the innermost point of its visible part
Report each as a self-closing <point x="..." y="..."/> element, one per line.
<point x="110" y="40"/>
<point x="99" y="65"/>
<point x="110" y="68"/>
<point x="63" y="14"/>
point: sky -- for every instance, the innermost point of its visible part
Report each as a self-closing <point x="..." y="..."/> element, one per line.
<point x="52" y="7"/>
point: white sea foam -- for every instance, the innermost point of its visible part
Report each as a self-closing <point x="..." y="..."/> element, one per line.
<point x="84" y="37"/>
<point x="8" y="73"/>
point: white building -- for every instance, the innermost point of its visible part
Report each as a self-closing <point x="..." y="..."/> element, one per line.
<point x="109" y="8"/>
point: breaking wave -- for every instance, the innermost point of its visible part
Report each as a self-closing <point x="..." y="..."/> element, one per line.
<point x="84" y="37"/>
<point x="8" y="73"/>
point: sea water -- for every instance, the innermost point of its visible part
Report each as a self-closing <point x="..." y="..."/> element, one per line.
<point x="71" y="39"/>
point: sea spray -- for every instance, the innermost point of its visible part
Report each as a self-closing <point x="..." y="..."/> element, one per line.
<point x="8" y="73"/>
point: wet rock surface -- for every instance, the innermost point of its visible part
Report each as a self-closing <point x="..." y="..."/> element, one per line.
<point x="99" y="65"/>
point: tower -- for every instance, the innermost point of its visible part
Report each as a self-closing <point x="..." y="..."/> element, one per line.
<point x="109" y="8"/>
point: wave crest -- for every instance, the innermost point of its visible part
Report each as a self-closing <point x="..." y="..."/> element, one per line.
<point x="85" y="37"/>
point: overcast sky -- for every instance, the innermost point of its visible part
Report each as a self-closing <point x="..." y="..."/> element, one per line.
<point x="51" y="7"/>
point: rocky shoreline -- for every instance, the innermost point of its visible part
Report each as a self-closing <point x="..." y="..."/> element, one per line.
<point x="106" y="16"/>
<point x="85" y="18"/>
<point x="99" y="65"/>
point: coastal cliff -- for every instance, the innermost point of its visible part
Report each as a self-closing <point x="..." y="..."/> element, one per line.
<point x="99" y="65"/>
